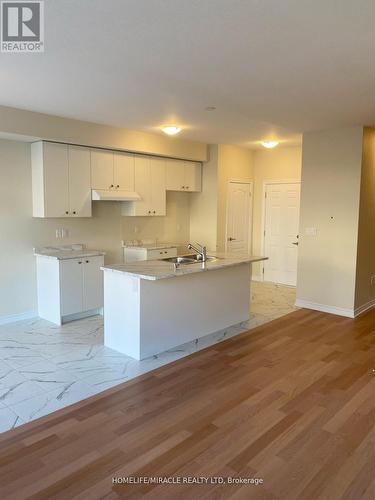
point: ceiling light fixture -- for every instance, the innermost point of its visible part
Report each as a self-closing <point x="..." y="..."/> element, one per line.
<point x="171" y="130"/>
<point x="269" y="144"/>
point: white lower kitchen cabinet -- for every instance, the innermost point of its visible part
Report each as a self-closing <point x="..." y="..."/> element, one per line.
<point x="134" y="254"/>
<point x="69" y="289"/>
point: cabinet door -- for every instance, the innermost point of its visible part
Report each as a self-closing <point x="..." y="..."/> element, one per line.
<point x="175" y="175"/>
<point x="56" y="183"/>
<point x="101" y="169"/>
<point x="193" y="176"/>
<point x="123" y="167"/>
<point x="71" y="286"/>
<point x="92" y="283"/>
<point x="142" y="186"/>
<point x="79" y="182"/>
<point x="158" y="193"/>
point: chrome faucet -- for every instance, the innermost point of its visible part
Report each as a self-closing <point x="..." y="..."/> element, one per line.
<point x="202" y="251"/>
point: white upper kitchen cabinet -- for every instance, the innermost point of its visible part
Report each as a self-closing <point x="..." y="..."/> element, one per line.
<point x="123" y="171"/>
<point x="193" y="176"/>
<point x="149" y="183"/>
<point x="102" y="169"/>
<point x="183" y="176"/>
<point x="158" y="203"/>
<point x="79" y="181"/>
<point x="112" y="170"/>
<point x="60" y="180"/>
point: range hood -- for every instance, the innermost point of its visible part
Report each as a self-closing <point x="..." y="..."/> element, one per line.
<point x="114" y="195"/>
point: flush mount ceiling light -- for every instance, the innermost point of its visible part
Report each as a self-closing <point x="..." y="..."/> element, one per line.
<point x="269" y="144"/>
<point x="171" y="130"/>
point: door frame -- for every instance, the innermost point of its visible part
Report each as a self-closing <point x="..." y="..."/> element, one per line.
<point x="250" y="234"/>
<point x="263" y="224"/>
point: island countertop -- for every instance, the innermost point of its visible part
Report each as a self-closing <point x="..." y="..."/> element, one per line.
<point x="159" y="269"/>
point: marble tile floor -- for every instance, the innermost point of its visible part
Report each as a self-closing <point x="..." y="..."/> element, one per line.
<point x="44" y="367"/>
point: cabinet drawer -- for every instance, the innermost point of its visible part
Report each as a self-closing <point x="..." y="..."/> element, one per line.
<point x="161" y="253"/>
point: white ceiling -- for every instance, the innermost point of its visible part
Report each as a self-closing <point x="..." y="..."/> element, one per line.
<point x="272" y="68"/>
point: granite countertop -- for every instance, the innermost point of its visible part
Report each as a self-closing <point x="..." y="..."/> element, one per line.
<point x="159" y="269"/>
<point x="64" y="253"/>
<point x="151" y="246"/>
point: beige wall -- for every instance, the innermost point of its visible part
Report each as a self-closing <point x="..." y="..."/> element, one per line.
<point x="203" y="206"/>
<point x="174" y="227"/>
<point x="208" y="209"/>
<point x="280" y="163"/>
<point x="233" y="163"/>
<point x="53" y="128"/>
<point x="331" y="175"/>
<point x="19" y="232"/>
<point x="365" y="290"/>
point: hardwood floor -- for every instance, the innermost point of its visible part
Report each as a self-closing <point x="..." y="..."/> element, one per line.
<point x="290" y="402"/>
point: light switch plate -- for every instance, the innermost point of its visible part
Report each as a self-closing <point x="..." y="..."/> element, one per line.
<point x="311" y="231"/>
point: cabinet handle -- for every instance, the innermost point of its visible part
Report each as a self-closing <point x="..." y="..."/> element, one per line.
<point x="118" y="185"/>
<point x="183" y="187"/>
<point x="87" y="261"/>
<point x="67" y="213"/>
<point x="74" y="212"/>
<point x="154" y="212"/>
<point x="187" y="187"/>
<point x="161" y="253"/>
<point x="165" y="252"/>
<point x="79" y="262"/>
<point x="111" y="186"/>
<point x="149" y="211"/>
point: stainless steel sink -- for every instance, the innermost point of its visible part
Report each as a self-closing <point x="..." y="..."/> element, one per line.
<point x="198" y="257"/>
<point x="189" y="259"/>
<point x="180" y="260"/>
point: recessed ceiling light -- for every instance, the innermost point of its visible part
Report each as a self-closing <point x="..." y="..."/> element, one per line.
<point x="269" y="144"/>
<point x="210" y="108"/>
<point x="171" y="130"/>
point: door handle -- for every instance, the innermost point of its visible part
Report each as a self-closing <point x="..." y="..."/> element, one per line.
<point x="295" y="243"/>
<point x="231" y="239"/>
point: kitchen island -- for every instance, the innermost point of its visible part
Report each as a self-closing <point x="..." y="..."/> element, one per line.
<point x="153" y="306"/>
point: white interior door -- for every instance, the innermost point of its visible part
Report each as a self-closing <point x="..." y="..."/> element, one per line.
<point x="281" y="232"/>
<point x="239" y="217"/>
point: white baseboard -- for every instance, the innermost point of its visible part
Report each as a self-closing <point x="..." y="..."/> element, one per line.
<point x="364" y="307"/>
<point x="12" y="318"/>
<point x="82" y="315"/>
<point x="339" y="311"/>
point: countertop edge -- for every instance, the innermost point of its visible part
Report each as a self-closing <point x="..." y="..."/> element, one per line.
<point x="186" y="270"/>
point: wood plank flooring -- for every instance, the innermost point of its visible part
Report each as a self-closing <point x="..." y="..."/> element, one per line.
<point x="291" y="402"/>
